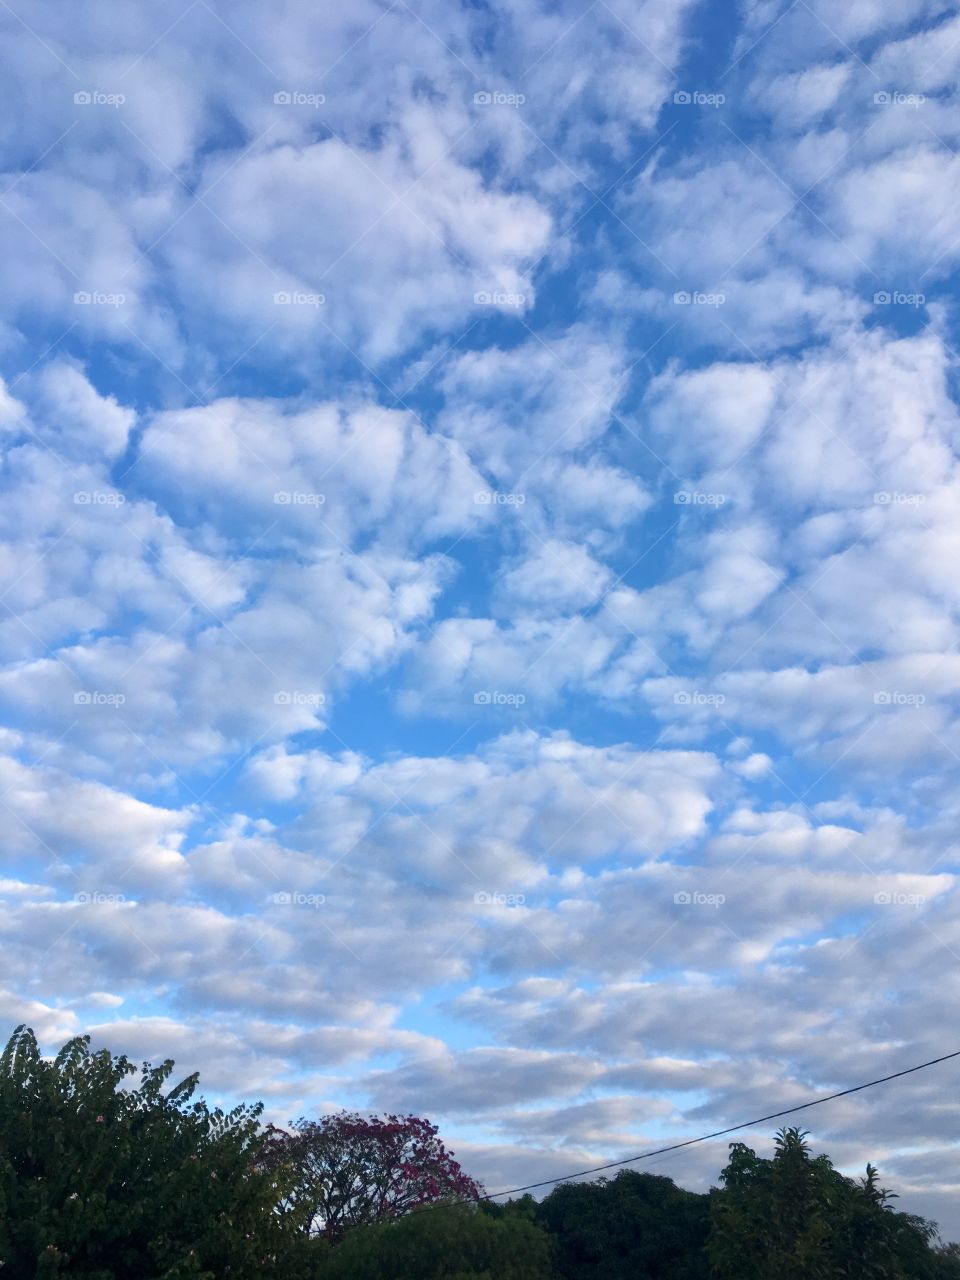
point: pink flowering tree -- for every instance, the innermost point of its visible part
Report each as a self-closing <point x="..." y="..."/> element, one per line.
<point x="347" y="1169"/>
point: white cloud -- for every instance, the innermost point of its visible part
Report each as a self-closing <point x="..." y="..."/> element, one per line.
<point x="556" y="578"/>
<point x="395" y="246"/>
<point x="322" y="475"/>
<point x="514" y="408"/>
<point x="557" y="689"/>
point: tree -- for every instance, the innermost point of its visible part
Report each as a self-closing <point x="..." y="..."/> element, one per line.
<point x="103" y="1181"/>
<point x="445" y="1242"/>
<point x="796" y="1218"/>
<point x="947" y="1262"/>
<point x="637" y="1225"/>
<point x="347" y="1170"/>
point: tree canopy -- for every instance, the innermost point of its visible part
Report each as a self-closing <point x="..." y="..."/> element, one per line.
<point x="449" y="1242"/>
<point x="637" y="1224"/>
<point x="107" y="1181"/>
<point x="108" y="1177"/>
<point x="795" y="1217"/>
<point x="351" y="1170"/>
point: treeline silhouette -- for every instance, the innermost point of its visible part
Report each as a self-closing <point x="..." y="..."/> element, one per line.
<point x="104" y="1179"/>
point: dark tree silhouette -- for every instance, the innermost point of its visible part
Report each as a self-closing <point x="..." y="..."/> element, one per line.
<point x="795" y="1217"/>
<point x="636" y="1225"/>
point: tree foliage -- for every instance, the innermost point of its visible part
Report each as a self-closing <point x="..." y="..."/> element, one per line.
<point x="794" y="1217"/>
<point x="636" y="1225"/>
<point x="105" y="1178"/>
<point x="349" y="1170"/>
<point x="446" y="1242"/>
<point x="102" y="1181"/>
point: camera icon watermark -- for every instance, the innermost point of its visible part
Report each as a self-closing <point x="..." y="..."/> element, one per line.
<point x="298" y="498"/>
<point x="496" y="698"/>
<point x="895" y="98"/>
<point x="497" y="98"/>
<point x="497" y="899"/>
<point x="899" y="298"/>
<point x="97" y="698"/>
<point x="698" y="298"/>
<point x="97" y="98"/>
<point x="894" y="898"/>
<point x="297" y="98"/>
<point x="98" y="498"/>
<point x="694" y="498"/>
<point x="98" y="298"/>
<point x="493" y="498"/>
<point x="295" y="898"/>
<point x="894" y="498"/>
<point x="298" y="298"/>
<point x="698" y="98"/>
<point x="495" y="298"/>
<point x="897" y="698"/>
<point x="298" y="698"/>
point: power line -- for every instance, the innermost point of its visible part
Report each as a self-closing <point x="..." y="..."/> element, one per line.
<point x="719" y="1133"/>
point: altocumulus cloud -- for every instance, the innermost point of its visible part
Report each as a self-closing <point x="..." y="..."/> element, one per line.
<point x="477" y="540"/>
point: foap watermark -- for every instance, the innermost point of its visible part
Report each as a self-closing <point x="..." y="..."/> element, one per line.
<point x="496" y="298"/>
<point x="698" y="698"/>
<point x="298" y="698"/>
<point x="694" y="498"/>
<point x="693" y="898"/>
<point x="94" y="898"/>
<point x="496" y="698"/>
<point x="896" y="98"/>
<point x="492" y="498"/>
<point x="97" y="98"/>
<point x="298" y="298"/>
<point x="698" y="98"/>
<point x="497" y="899"/>
<point x="698" y="298"/>
<point x="298" y="498"/>
<point x="895" y="898"/>
<point x="98" y="298"/>
<point x="894" y="498"/>
<point x="498" y="98"/>
<point x="898" y="698"/>
<point x="97" y="698"/>
<point x="98" y="498"/>
<point x="898" y="298"/>
<point x="298" y="98"/>
<point x="296" y="898"/>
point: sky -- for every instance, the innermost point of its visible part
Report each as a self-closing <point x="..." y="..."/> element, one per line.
<point x="479" y="537"/>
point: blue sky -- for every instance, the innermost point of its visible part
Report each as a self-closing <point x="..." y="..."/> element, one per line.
<point x="479" y="532"/>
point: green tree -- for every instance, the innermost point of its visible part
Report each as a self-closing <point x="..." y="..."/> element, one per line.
<point x="947" y="1262"/>
<point x="446" y="1242"/>
<point x="638" y="1225"/>
<point x="101" y="1180"/>
<point x="794" y="1217"/>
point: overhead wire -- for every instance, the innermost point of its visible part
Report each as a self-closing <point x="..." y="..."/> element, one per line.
<point x="706" y="1137"/>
